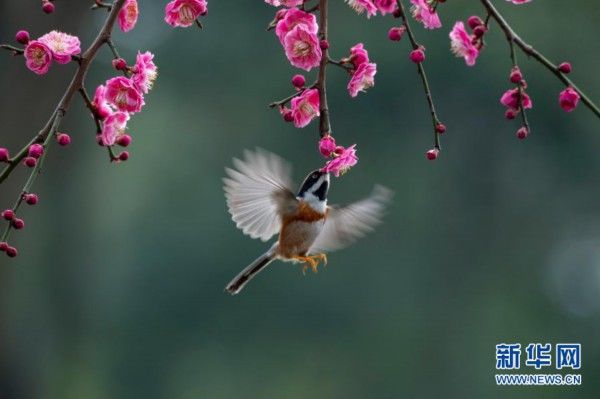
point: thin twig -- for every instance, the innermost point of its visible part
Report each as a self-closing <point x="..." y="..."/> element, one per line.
<point x="324" y="121"/>
<point x="512" y="37"/>
<point x="415" y="45"/>
<point x="15" y="50"/>
<point x="90" y="105"/>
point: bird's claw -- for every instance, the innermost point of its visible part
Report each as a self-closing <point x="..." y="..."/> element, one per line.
<point x="312" y="261"/>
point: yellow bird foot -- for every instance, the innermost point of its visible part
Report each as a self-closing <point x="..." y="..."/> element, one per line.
<point x="312" y="261"/>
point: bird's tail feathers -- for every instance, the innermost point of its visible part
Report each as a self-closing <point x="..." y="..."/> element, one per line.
<point x="237" y="284"/>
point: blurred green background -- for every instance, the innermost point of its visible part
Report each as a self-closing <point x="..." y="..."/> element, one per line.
<point x="118" y="288"/>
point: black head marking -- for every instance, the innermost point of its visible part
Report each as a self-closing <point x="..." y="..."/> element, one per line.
<point x="309" y="185"/>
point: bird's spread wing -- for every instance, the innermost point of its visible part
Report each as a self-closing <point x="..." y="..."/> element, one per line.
<point x="345" y="225"/>
<point x="257" y="191"/>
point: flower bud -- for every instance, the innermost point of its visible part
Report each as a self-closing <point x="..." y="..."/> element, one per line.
<point x="30" y="162"/>
<point x="31" y="199"/>
<point x="522" y="133"/>
<point x="515" y="75"/>
<point x="417" y="56"/>
<point x="397" y="13"/>
<point x="298" y="81"/>
<point x="288" y="115"/>
<point x="22" y="37"/>
<point x="119" y="64"/>
<point x="565" y="67"/>
<point x="124" y="156"/>
<point x="395" y="33"/>
<point x="36" y="150"/>
<point x="47" y="7"/>
<point x="17" y="223"/>
<point x="4" y="155"/>
<point x="440" y="128"/>
<point x="63" y="139"/>
<point x="324" y="44"/>
<point x="3" y="246"/>
<point x="510" y="114"/>
<point x="8" y="214"/>
<point x="474" y="21"/>
<point x="479" y="30"/>
<point x="11" y="252"/>
<point x="432" y="154"/>
<point x="124" y="140"/>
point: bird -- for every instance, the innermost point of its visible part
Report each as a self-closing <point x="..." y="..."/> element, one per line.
<point x="260" y="199"/>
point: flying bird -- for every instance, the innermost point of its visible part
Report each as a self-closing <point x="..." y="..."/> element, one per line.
<point x="261" y="203"/>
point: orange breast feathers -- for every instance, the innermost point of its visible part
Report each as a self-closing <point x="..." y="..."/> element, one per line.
<point x="304" y="213"/>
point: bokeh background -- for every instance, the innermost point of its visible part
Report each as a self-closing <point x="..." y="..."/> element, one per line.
<point x="118" y="288"/>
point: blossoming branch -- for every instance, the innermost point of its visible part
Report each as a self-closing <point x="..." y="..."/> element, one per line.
<point x="301" y="27"/>
<point x="113" y="103"/>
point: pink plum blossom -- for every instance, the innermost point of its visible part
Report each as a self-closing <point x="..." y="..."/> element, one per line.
<point x="386" y="6"/>
<point x="124" y="95"/>
<point x="144" y="71"/>
<point x="38" y="57"/>
<point x="128" y="15"/>
<point x="510" y="99"/>
<point x="568" y="99"/>
<point x="363" y="78"/>
<point x="302" y="48"/>
<point x="285" y="3"/>
<point x="184" y="12"/>
<point x="327" y="146"/>
<point x="292" y="18"/>
<point x="462" y="45"/>
<point x="344" y="159"/>
<point x="361" y="6"/>
<point x="424" y="13"/>
<point x="63" y="45"/>
<point x="101" y="106"/>
<point x="305" y="107"/>
<point x="358" y="55"/>
<point x="114" y="127"/>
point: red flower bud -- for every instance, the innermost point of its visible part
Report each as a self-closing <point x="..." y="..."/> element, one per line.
<point x="31" y="199"/>
<point x="124" y="140"/>
<point x="30" y="162"/>
<point x="395" y="33"/>
<point x="440" y="128"/>
<point x="22" y="37"/>
<point x="565" y="67"/>
<point x="432" y="154"/>
<point x="324" y="44"/>
<point x="8" y="214"/>
<point x="417" y="56"/>
<point x="17" y="223"/>
<point x="36" y="150"/>
<point x="298" y="81"/>
<point x="124" y="156"/>
<point x="11" y="252"/>
<point x="119" y="64"/>
<point x="47" y="7"/>
<point x="63" y="139"/>
<point x="522" y="133"/>
<point x="474" y="21"/>
<point x="4" y="155"/>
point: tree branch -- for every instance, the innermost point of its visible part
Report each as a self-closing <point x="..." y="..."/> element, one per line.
<point x="52" y="125"/>
<point x="324" y="122"/>
<point x="528" y="49"/>
<point x="423" y="75"/>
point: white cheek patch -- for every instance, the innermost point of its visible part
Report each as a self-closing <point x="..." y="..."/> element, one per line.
<point x="315" y="202"/>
